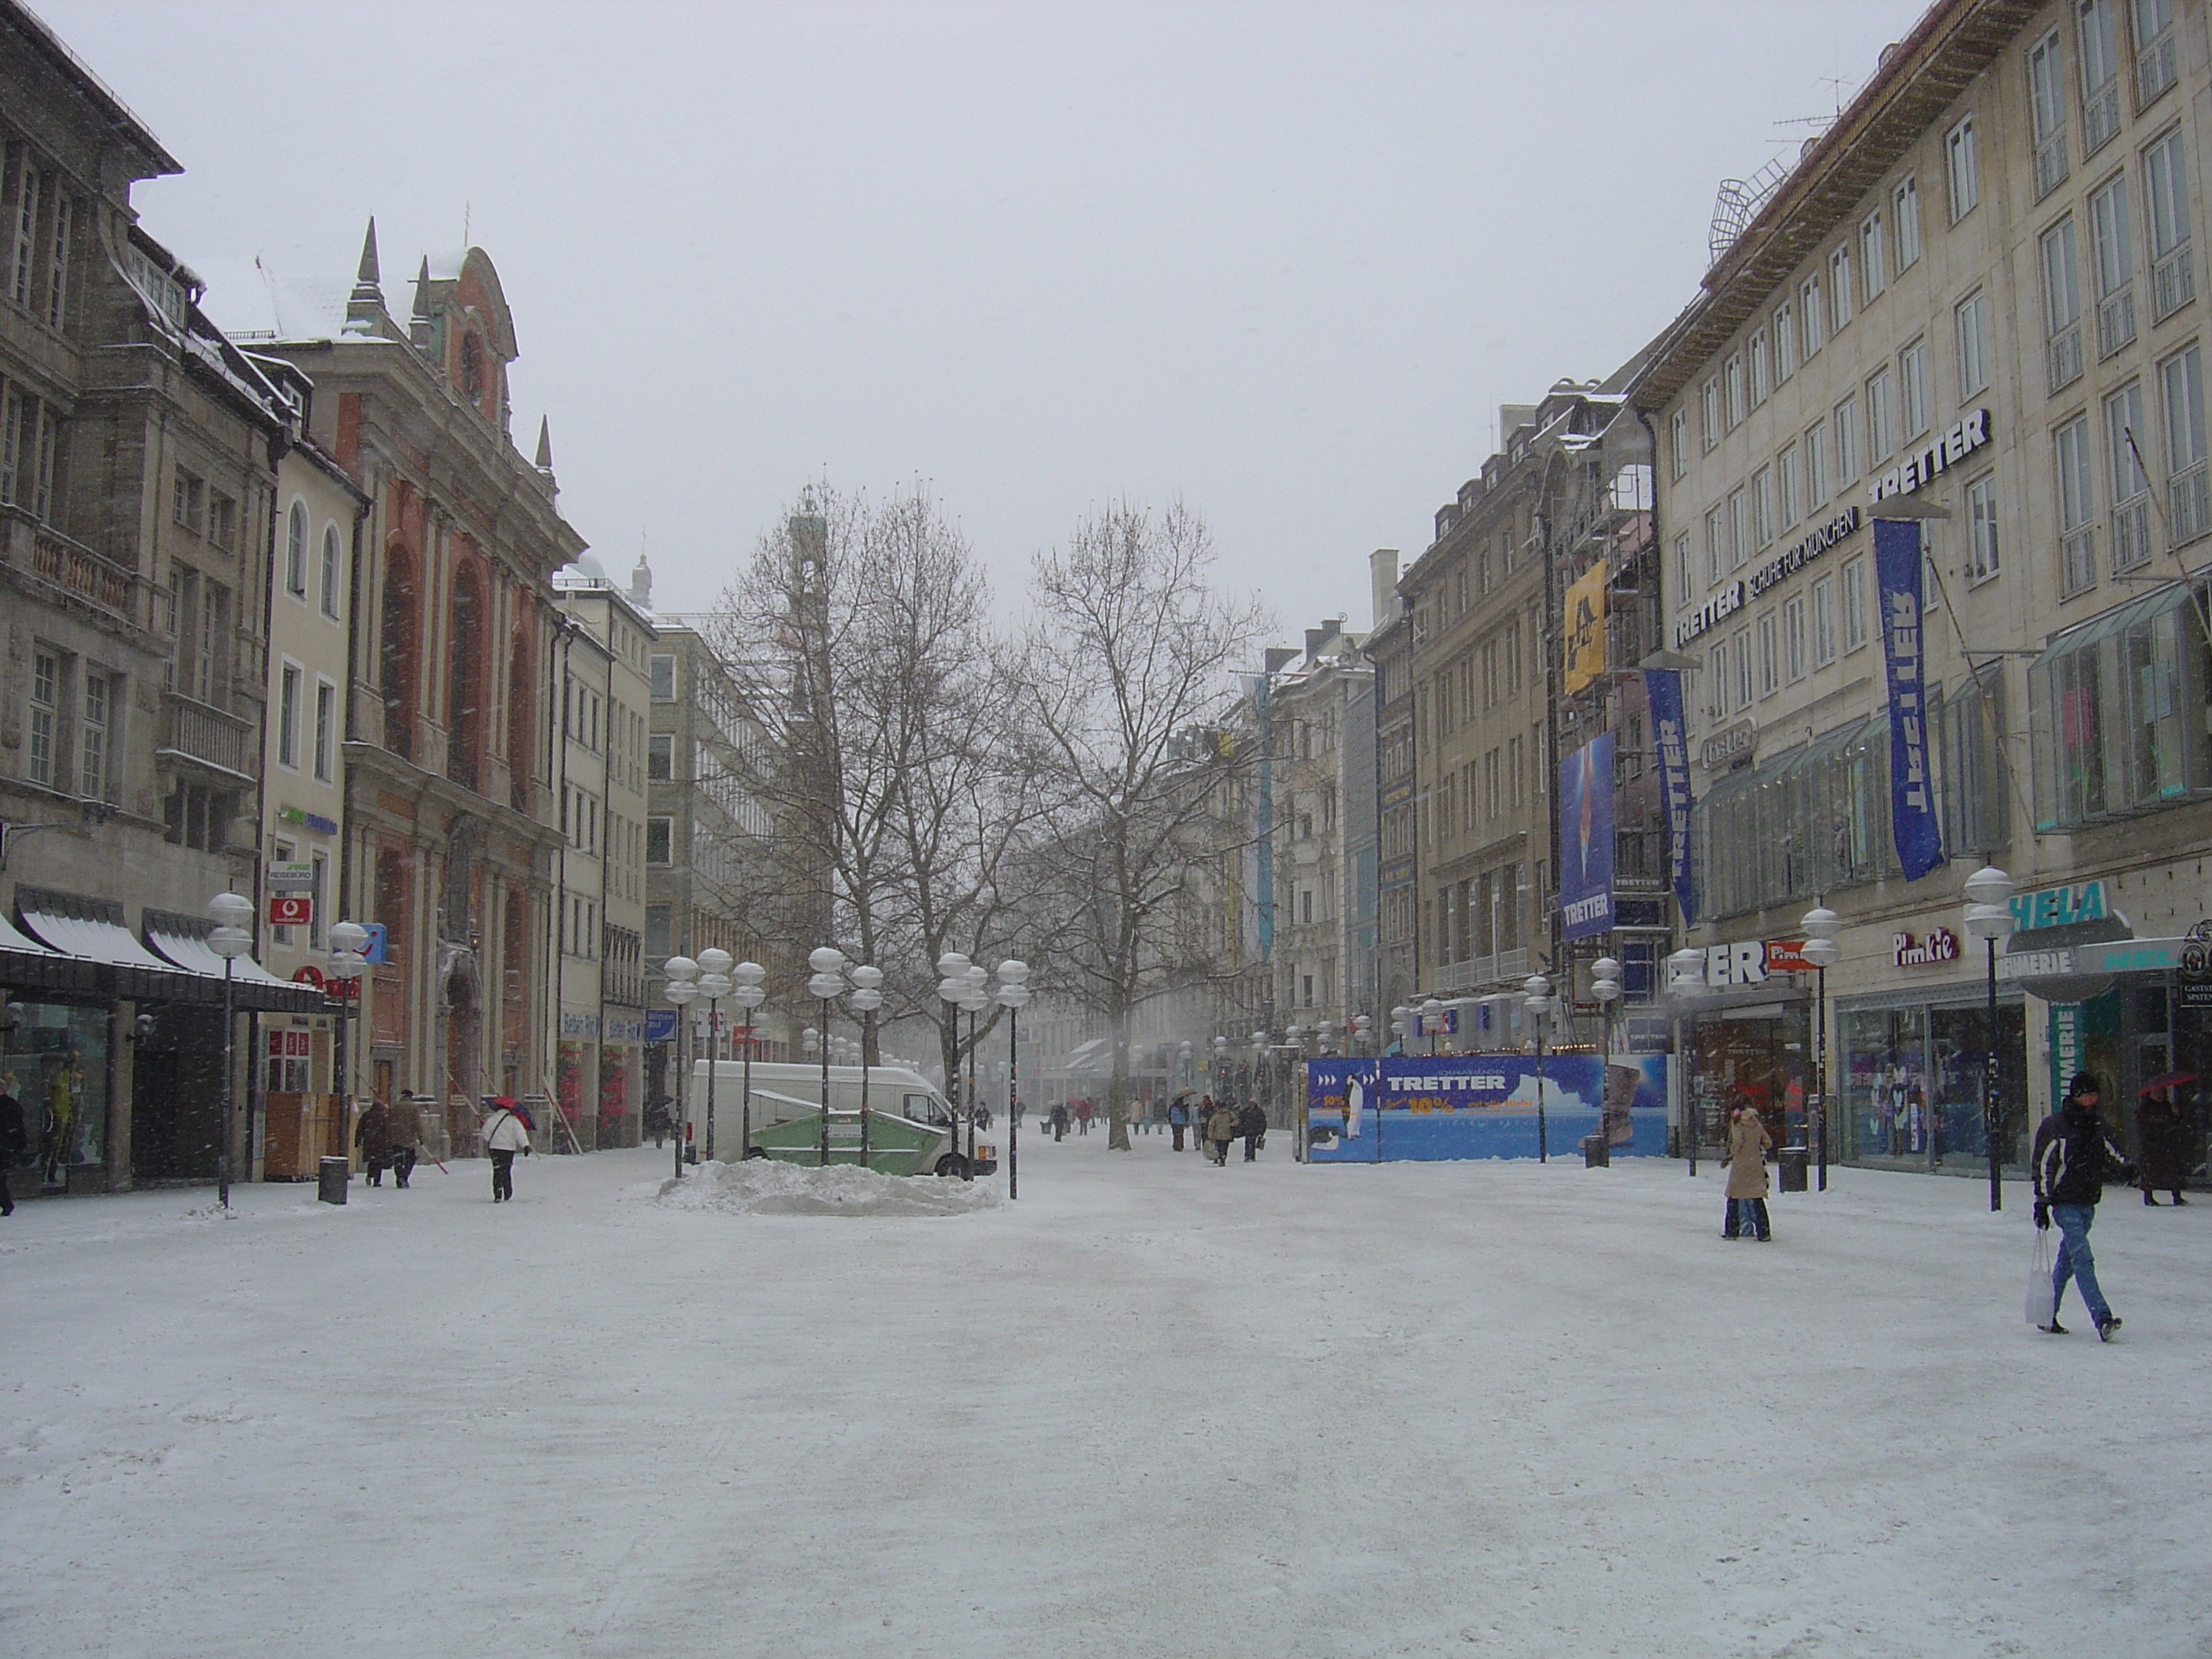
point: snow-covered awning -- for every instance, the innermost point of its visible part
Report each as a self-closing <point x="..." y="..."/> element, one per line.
<point x="91" y="933"/>
<point x="1083" y="1057"/>
<point x="183" y="941"/>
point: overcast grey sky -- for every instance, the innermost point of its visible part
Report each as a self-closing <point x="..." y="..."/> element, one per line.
<point x="1283" y="260"/>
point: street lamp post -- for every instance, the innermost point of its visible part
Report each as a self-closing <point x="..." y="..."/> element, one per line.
<point x="867" y="996"/>
<point x="714" y="984"/>
<point x="1686" y="983"/>
<point x="748" y="994"/>
<point x="681" y="990"/>
<point x="1605" y="986"/>
<point x="1988" y="919"/>
<point x="230" y="912"/>
<point x="827" y="983"/>
<point x="1013" y="993"/>
<point x="347" y="940"/>
<point x="1539" y="1003"/>
<point x="1819" y="926"/>
<point x="1432" y="1021"/>
<point x="975" y="998"/>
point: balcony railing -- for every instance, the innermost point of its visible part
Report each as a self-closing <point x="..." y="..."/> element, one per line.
<point x="2187" y="502"/>
<point x="2132" y="533"/>
<point x="2115" y="320"/>
<point x="206" y="735"/>
<point x="2172" y="284"/>
<point x="2077" y="560"/>
<point x="2155" y="66"/>
<point x="2065" y="355"/>
<point x="92" y="577"/>
<point x="2050" y="164"/>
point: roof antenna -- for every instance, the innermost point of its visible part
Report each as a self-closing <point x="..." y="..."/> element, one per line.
<point x="465" y="224"/>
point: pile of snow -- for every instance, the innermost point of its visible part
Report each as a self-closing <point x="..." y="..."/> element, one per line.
<point x="764" y="1186"/>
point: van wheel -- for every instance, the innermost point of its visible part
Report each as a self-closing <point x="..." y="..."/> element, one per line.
<point x="953" y="1165"/>
<point x="756" y="1151"/>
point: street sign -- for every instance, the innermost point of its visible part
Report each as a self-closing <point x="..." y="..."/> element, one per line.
<point x="290" y="910"/>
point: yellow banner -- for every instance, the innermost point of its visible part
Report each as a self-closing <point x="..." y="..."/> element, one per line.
<point x="1584" y="632"/>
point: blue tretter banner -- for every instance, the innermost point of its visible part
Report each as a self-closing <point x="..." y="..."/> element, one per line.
<point x="1663" y="695"/>
<point x="1461" y="1106"/>
<point x="1913" y="825"/>
<point x="1586" y="839"/>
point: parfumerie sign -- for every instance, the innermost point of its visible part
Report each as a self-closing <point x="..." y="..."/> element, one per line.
<point x="1731" y="599"/>
<point x="1940" y="456"/>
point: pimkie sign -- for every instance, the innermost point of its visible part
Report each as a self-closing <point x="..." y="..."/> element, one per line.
<point x="1942" y="944"/>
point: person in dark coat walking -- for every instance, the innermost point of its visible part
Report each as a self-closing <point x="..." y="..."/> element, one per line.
<point x="1252" y="1124"/>
<point x="14" y="1141"/>
<point x="1747" y="1141"/>
<point x="2074" y="1156"/>
<point x="372" y="1133"/>
<point x="2162" y="1145"/>
<point x="657" y="1121"/>
<point x="1059" y="1122"/>
<point x="403" y="1133"/>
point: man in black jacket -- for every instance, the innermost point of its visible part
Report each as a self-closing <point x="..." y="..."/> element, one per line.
<point x="2073" y="1158"/>
<point x="1252" y="1124"/>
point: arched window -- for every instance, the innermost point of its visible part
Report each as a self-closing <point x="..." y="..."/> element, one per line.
<point x="295" y="551"/>
<point x="472" y="369"/>
<point x="333" y="569"/>
<point x="401" y="633"/>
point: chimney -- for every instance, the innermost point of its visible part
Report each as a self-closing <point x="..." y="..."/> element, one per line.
<point x="1382" y="586"/>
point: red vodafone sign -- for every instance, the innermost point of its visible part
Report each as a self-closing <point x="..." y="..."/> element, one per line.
<point x="291" y="909"/>
<point x="310" y="974"/>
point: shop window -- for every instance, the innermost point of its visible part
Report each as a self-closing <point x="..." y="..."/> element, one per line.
<point x="56" y="1057"/>
<point x="2115" y="714"/>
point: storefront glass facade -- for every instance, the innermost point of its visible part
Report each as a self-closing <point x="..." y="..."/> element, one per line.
<point x="57" y="1068"/>
<point x="1911" y="1083"/>
<point x="1754" y="1054"/>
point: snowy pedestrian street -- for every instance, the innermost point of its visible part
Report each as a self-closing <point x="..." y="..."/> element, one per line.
<point x="1155" y="1408"/>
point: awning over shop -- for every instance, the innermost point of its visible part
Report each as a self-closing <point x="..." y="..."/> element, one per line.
<point x="183" y="941"/>
<point x="28" y="965"/>
<point x="108" y="960"/>
<point x="1083" y="1057"/>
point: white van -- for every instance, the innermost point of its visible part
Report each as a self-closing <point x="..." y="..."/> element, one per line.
<point x="911" y="1129"/>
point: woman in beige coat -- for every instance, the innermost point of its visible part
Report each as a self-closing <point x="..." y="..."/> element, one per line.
<point x="1747" y="1141"/>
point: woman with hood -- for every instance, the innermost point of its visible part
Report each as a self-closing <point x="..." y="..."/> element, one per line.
<point x="2162" y="1146"/>
<point x="1747" y="1141"/>
<point x="504" y="1136"/>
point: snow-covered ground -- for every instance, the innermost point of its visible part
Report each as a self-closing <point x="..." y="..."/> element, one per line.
<point x="1155" y="1408"/>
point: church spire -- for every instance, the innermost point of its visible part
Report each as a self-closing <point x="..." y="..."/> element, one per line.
<point x="421" y="325"/>
<point x="366" y="302"/>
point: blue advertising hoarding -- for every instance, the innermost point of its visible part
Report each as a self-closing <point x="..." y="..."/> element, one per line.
<point x="1914" y="827"/>
<point x="1586" y="839"/>
<point x="1464" y="1106"/>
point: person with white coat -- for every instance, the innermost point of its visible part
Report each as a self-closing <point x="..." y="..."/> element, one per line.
<point x="504" y="1136"/>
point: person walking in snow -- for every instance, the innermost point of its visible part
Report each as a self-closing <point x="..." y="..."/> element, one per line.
<point x="1059" y="1120"/>
<point x="1179" y="1118"/>
<point x="14" y="1141"/>
<point x="1747" y="1141"/>
<point x="503" y="1137"/>
<point x="403" y="1134"/>
<point x="1252" y="1124"/>
<point x="657" y="1124"/>
<point x="2073" y="1156"/>
<point x="1083" y="1111"/>
<point x="372" y="1134"/>
<point x="1221" y="1129"/>
<point x="2162" y="1145"/>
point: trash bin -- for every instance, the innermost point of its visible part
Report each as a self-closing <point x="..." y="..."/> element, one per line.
<point x="1793" y="1160"/>
<point x="1596" y="1154"/>
<point x="331" y="1176"/>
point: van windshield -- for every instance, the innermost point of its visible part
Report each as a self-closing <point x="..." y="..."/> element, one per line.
<point x="925" y="1109"/>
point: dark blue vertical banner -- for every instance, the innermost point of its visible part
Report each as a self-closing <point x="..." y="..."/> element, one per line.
<point x="1913" y="825"/>
<point x="1264" y="875"/>
<point x="1586" y="839"/>
<point x="1662" y="694"/>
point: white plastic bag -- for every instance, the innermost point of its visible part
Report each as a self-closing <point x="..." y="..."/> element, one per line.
<point x="2042" y="1299"/>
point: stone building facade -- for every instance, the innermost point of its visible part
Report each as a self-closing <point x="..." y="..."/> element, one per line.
<point x="1977" y="296"/>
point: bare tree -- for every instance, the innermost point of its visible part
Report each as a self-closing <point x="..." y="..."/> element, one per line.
<point x="1132" y="655"/>
<point x="900" y="769"/>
